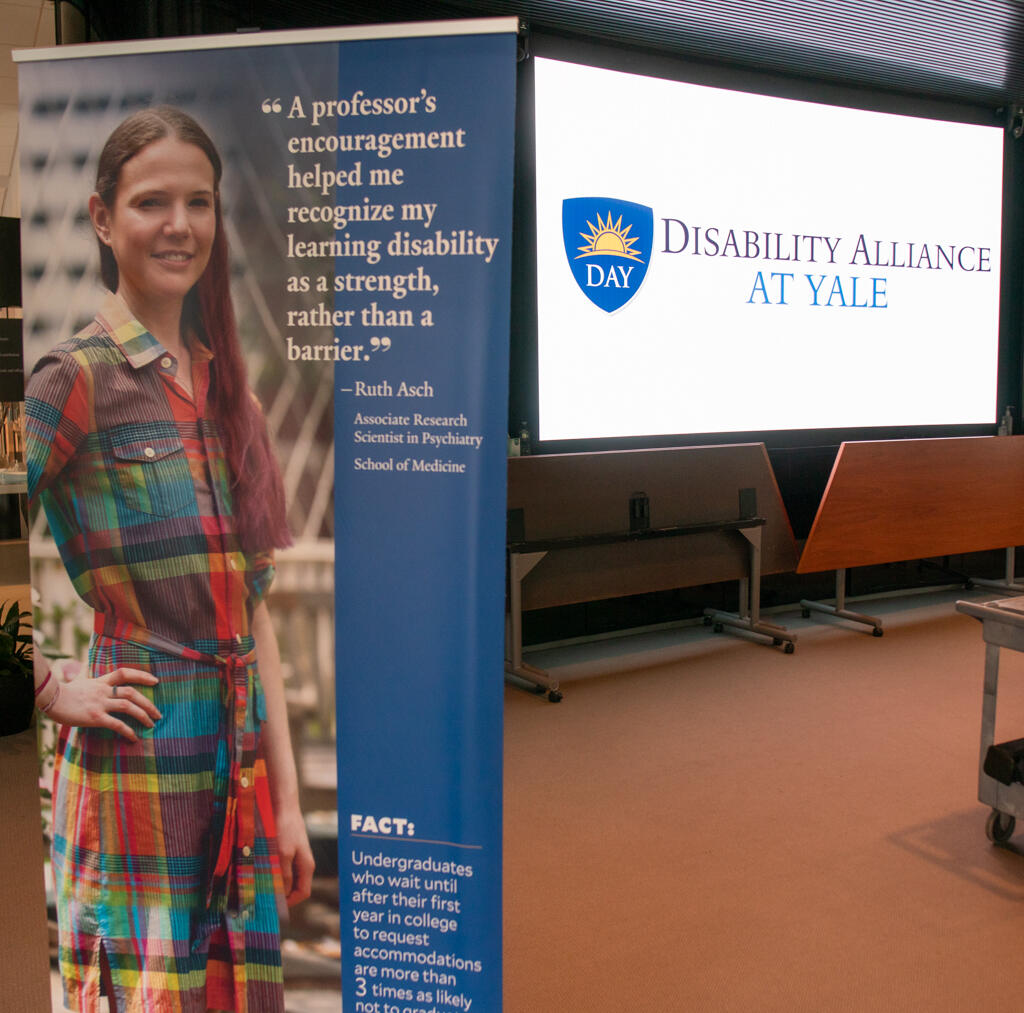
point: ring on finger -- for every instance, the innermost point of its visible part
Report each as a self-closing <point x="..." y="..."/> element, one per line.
<point x="113" y="691"/>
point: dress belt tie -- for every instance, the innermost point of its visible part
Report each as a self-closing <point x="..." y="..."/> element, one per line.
<point x="230" y="887"/>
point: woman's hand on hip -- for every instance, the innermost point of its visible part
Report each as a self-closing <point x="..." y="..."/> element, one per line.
<point x="103" y="701"/>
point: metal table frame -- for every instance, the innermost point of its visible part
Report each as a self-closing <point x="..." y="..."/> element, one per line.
<point x="525" y="555"/>
<point x="1002" y="625"/>
<point x="839" y="609"/>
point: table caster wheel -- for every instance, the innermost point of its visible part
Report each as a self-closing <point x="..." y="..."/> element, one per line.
<point x="554" y="696"/>
<point x="707" y="620"/>
<point x="776" y="641"/>
<point x="876" y="632"/>
<point x="806" y="613"/>
<point x="999" y="827"/>
<point x="790" y="647"/>
<point x="718" y="627"/>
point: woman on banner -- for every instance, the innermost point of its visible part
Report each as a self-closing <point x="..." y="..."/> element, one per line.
<point x="176" y="817"/>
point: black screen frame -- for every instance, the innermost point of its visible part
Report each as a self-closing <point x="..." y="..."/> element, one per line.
<point x="523" y="394"/>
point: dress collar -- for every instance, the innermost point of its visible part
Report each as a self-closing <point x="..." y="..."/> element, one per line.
<point x="137" y="345"/>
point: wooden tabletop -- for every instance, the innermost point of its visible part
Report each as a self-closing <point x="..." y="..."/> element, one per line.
<point x="890" y="500"/>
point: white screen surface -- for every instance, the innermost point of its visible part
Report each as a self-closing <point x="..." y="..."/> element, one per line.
<point x="764" y="212"/>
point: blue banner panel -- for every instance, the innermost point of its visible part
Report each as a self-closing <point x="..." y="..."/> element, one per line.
<point x="362" y="181"/>
<point x="420" y="418"/>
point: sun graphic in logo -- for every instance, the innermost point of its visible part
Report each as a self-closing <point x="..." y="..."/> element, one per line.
<point x="606" y="239"/>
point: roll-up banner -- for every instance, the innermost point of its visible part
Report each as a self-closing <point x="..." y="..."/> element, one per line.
<point x="366" y="199"/>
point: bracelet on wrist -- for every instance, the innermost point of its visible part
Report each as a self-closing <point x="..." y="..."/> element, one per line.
<point x="53" y="700"/>
<point x="41" y="687"/>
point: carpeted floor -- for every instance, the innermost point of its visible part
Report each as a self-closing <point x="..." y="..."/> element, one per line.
<point x="747" y="830"/>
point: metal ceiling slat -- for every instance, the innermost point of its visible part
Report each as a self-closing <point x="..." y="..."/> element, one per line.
<point x="967" y="50"/>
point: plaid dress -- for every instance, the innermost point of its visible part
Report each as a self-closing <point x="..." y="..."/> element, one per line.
<point x="163" y="854"/>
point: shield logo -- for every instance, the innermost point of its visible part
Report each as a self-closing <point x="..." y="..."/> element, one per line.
<point x="608" y="243"/>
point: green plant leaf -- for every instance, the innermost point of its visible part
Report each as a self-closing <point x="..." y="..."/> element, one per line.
<point x="15" y="645"/>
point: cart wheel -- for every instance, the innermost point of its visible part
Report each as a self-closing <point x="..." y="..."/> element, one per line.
<point x="554" y="696"/>
<point x="719" y="627"/>
<point x="806" y="613"/>
<point x="999" y="827"/>
<point x="876" y="632"/>
<point x="790" y="647"/>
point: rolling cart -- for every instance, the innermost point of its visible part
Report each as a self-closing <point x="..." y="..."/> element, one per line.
<point x="1002" y="624"/>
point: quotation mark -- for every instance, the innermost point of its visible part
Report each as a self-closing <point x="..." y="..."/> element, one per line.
<point x="271" y="105"/>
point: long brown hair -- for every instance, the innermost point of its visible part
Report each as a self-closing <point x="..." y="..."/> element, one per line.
<point x="256" y="485"/>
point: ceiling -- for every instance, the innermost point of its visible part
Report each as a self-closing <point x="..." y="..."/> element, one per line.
<point x="967" y="50"/>
<point x="963" y="49"/>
